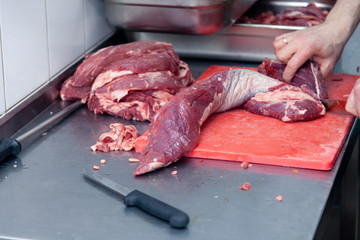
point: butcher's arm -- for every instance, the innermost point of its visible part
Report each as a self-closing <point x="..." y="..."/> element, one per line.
<point x="324" y="42"/>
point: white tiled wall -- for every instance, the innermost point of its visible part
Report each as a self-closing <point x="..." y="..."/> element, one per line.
<point x="24" y="46"/>
<point x="66" y="32"/>
<point x="95" y="24"/>
<point x="2" y="90"/>
<point x="39" y="38"/>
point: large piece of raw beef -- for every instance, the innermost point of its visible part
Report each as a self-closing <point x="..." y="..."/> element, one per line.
<point x="130" y="80"/>
<point x="175" y="129"/>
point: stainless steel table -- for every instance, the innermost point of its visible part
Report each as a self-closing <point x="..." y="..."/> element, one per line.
<point x="43" y="194"/>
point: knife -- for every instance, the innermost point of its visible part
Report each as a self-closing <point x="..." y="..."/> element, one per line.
<point x="13" y="146"/>
<point x="136" y="198"/>
<point x="328" y="103"/>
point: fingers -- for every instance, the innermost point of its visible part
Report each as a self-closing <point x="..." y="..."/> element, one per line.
<point x="295" y="48"/>
<point x="287" y="36"/>
<point x="279" y="42"/>
<point x="350" y="104"/>
<point x="294" y="63"/>
<point x="289" y="49"/>
<point x="291" y="53"/>
<point x="326" y="65"/>
<point x="353" y="102"/>
<point x="284" y="49"/>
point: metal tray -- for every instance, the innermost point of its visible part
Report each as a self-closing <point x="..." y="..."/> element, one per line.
<point x="277" y="6"/>
<point x="243" y="42"/>
<point x="198" y="17"/>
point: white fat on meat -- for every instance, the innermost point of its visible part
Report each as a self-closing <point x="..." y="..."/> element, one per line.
<point x="116" y="94"/>
<point x="162" y="97"/>
<point x="121" y="137"/>
<point x="242" y="86"/>
<point x="111" y="107"/>
<point x="106" y="101"/>
<point x="317" y="81"/>
<point x="108" y="76"/>
<point x="289" y="97"/>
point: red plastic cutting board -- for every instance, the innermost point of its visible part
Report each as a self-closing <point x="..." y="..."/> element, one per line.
<point x="238" y="135"/>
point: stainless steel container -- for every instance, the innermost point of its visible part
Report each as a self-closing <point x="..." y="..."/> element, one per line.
<point x="248" y="42"/>
<point x="175" y="16"/>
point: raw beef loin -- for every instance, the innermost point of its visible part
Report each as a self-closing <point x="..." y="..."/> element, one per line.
<point x="175" y="129"/>
<point x="308" y="77"/>
<point x="130" y="80"/>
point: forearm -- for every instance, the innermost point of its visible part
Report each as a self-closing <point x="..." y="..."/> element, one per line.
<point x="344" y="17"/>
<point x="324" y="43"/>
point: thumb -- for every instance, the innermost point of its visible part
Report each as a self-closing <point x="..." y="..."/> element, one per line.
<point x="353" y="101"/>
<point x="350" y="104"/>
<point x="326" y="66"/>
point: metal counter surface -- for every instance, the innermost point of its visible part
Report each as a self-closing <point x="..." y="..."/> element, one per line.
<point x="43" y="194"/>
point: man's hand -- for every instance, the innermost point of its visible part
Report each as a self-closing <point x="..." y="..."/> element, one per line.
<point x="316" y="42"/>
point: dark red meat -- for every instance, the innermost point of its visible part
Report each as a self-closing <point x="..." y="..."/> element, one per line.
<point x="285" y="102"/>
<point x="175" y="129"/>
<point x="130" y="80"/>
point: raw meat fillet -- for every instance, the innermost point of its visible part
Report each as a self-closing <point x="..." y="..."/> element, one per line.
<point x="287" y="103"/>
<point x="308" y="77"/>
<point x="121" y="137"/>
<point x="130" y="80"/>
<point x="301" y="16"/>
<point x="175" y="130"/>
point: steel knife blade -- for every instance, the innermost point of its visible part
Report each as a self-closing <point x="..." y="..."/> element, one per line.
<point x="13" y="146"/>
<point x="136" y="198"/>
<point x="328" y="103"/>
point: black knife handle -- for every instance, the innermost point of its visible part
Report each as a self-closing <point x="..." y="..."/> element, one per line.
<point x="157" y="208"/>
<point x="9" y="147"/>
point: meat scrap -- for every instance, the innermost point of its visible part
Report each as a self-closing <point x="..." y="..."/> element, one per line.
<point x="244" y="164"/>
<point x="132" y="80"/>
<point x="245" y="187"/>
<point x="175" y="130"/>
<point x="121" y="137"/>
<point x="310" y="15"/>
<point x="134" y="160"/>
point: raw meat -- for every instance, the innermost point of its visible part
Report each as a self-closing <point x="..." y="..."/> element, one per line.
<point x="245" y="187"/>
<point x="279" y="198"/>
<point x="308" y="77"/>
<point x="175" y="130"/>
<point x="121" y="137"/>
<point x="285" y="102"/>
<point x="301" y="16"/>
<point x="130" y="80"/>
